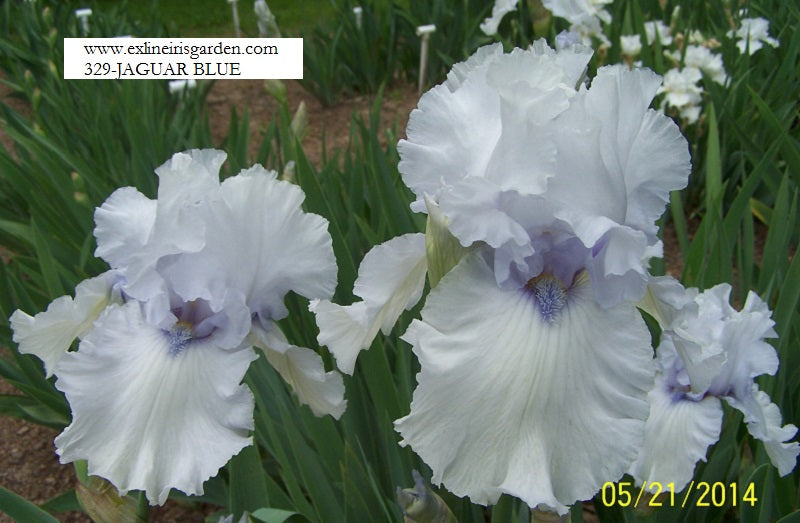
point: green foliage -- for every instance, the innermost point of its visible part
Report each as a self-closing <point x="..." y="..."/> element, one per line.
<point x="343" y="57"/>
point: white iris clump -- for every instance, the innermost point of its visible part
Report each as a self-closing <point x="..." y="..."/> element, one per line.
<point x="585" y="16"/>
<point x="709" y="352"/>
<point x="682" y="91"/>
<point x="701" y="57"/>
<point x="197" y="279"/>
<point x="542" y="196"/>
<point x="753" y="33"/>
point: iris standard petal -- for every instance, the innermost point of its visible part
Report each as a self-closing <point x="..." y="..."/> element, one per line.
<point x="677" y="435"/>
<point x="303" y="370"/>
<point x="151" y="410"/>
<point x="258" y="242"/>
<point x="481" y="58"/>
<point x="49" y="334"/>
<point x="123" y="225"/>
<point x="187" y="181"/>
<point x="513" y="400"/>
<point x="740" y="334"/>
<point x="391" y="278"/>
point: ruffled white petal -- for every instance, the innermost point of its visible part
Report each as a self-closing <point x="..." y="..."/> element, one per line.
<point x="259" y="243"/>
<point x="123" y="225"/>
<point x="186" y="182"/>
<point x="391" y="278"/>
<point x="481" y="58"/>
<point x="500" y="9"/>
<point x="678" y="433"/>
<point x="49" y="334"/>
<point x="617" y="163"/>
<point x="579" y="12"/>
<point x="148" y="416"/>
<point x="508" y="402"/>
<point x="764" y="421"/>
<point x="741" y="336"/>
<point x="441" y="148"/>
<point x="303" y="370"/>
<point x="509" y="98"/>
<point x="667" y="299"/>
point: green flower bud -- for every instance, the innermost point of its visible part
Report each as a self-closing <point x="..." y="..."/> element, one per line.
<point x="102" y="502"/>
<point x="421" y="505"/>
<point x="277" y="90"/>
<point x="299" y="124"/>
<point x="443" y="250"/>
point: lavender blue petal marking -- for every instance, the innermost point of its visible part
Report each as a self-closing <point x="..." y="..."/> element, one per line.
<point x="550" y="295"/>
<point x="179" y="336"/>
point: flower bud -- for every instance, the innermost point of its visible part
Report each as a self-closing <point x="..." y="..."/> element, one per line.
<point x="443" y="250"/>
<point x="289" y="173"/>
<point x="277" y="90"/>
<point x="422" y="505"/>
<point x="102" y="502"/>
<point x="36" y="98"/>
<point x="30" y="82"/>
<point x="299" y="124"/>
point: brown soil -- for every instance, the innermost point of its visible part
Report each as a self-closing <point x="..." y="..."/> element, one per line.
<point x="328" y="125"/>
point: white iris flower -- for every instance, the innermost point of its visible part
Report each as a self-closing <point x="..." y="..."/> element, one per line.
<point x="585" y="16"/>
<point x="709" y="352"/>
<point x="682" y="90"/>
<point x="752" y="35"/>
<point x="631" y="45"/>
<point x="198" y="279"/>
<point x="542" y="196"/>
<point x="499" y="10"/>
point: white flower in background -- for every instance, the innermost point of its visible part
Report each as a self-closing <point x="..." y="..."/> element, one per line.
<point x="700" y="57"/>
<point x="657" y="28"/>
<point x="683" y="92"/>
<point x="753" y="34"/>
<point x="500" y="9"/>
<point x="631" y="45"/>
<point x="198" y="278"/>
<point x="543" y="194"/>
<point x="708" y="352"/>
<point x="585" y="16"/>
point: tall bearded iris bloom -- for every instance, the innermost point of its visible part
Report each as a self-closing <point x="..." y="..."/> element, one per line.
<point x="197" y="279"/>
<point x="709" y="352"/>
<point x="542" y="196"/>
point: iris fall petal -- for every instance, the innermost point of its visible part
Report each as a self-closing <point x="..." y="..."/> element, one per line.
<point x="391" y="278"/>
<point x="303" y="370"/>
<point x="49" y="334"/>
<point x="508" y="402"/>
<point x="150" y="413"/>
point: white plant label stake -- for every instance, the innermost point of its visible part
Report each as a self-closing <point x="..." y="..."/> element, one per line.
<point x="236" y="29"/>
<point x="424" y="32"/>
<point x="83" y="15"/>
<point x="182" y="86"/>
